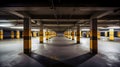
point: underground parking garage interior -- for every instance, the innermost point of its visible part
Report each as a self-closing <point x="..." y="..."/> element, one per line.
<point x="60" y="33"/>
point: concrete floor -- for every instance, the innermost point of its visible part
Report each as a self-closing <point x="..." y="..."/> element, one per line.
<point x="60" y="52"/>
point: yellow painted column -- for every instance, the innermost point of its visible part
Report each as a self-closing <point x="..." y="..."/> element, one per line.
<point x="41" y="34"/>
<point x="34" y="34"/>
<point x="118" y="33"/>
<point x="98" y="34"/>
<point x="47" y="37"/>
<point x="111" y="34"/>
<point x="1" y="34"/>
<point x="49" y="34"/>
<point x="72" y="35"/>
<point x="78" y="34"/>
<point x="31" y="34"/>
<point x="17" y="34"/>
<point x="93" y="36"/>
<point x="27" y="35"/>
<point x="12" y="34"/>
<point x="106" y="34"/>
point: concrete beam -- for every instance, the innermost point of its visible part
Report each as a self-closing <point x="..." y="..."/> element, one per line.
<point x="102" y="14"/>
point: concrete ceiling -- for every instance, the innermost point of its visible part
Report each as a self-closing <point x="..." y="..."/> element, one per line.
<point x="61" y="15"/>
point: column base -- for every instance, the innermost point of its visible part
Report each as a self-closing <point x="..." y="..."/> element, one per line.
<point x="99" y="38"/>
<point x="111" y="40"/>
<point x="27" y="51"/>
<point x="93" y="51"/>
<point x="78" y="42"/>
<point x="41" y="41"/>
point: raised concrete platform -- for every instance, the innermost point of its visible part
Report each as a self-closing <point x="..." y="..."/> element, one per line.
<point x="59" y="52"/>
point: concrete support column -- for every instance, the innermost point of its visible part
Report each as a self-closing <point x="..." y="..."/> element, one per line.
<point x="12" y="34"/>
<point x="93" y="36"/>
<point x="34" y="34"/>
<point x="47" y="37"/>
<point x="31" y="34"/>
<point x="27" y="35"/>
<point x="72" y="35"/>
<point x="111" y="34"/>
<point x="78" y="34"/>
<point x="98" y="34"/>
<point x="106" y="33"/>
<point x="41" y="34"/>
<point x="50" y="35"/>
<point x="1" y="34"/>
<point x="23" y="34"/>
<point x="17" y="34"/>
<point x="118" y="34"/>
<point x="87" y="34"/>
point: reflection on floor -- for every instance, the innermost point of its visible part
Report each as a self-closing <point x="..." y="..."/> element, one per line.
<point x="60" y="52"/>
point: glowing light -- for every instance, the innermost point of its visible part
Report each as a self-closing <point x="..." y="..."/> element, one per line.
<point x="35" y="29"/>
<point x="6" y="25"/>
<point x="114" y="27"/>
<point x="17" y="27"/>
<point x="85" y="29"/>
<point x="4" y="21"/>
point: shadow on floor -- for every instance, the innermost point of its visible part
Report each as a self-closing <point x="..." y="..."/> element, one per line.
<point x="79" y="59"/>
<point x="48" y="62"/>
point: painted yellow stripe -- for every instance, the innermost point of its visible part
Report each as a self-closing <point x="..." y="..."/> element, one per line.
<point x="93" y="46"/>
<point x="118" y="33"/>
<point x="98" y="35"/>
<point x="17" y="34"/>
<point x="1" y="34"/>
<point x="106" y="33"/>
<point x="12" y="34"/>
<point x="27" y="44"/>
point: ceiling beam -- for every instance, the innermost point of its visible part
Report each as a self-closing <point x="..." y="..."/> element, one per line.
<point x="59" y="25"/>
<point x="102" y="14"/>
<point x="60" y="17"/>
<point x="16" y="13"/>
